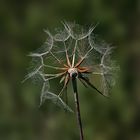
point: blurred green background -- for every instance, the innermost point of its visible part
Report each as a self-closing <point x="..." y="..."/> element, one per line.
<point x="21" y="31"/>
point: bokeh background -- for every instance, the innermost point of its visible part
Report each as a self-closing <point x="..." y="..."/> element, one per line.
<point x="21" y="31"/>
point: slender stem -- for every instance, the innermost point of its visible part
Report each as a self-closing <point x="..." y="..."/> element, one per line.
<point x="77" y="107"/>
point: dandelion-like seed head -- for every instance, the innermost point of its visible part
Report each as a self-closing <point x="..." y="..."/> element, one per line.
<point x="72" y="51"/>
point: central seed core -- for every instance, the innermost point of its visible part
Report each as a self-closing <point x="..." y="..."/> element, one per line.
<point x="73" y="72"/>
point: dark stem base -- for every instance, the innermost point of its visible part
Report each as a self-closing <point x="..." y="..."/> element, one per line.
<point x="77" y="107"/>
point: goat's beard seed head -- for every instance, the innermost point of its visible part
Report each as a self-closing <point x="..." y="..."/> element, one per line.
<point x="87" y="52"/>
<point x="73" y="72"/>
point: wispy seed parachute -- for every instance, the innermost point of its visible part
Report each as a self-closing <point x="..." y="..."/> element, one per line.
<point x="72" y="39"/>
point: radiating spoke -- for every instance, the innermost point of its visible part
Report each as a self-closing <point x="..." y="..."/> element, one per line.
<point x="67" y="57"/>
<point x="59" y="61"/>
<point x="83" y="58"/>
<point x="53" y="67"/>
<point x="74" y="51"/>
<point x="97" y="73"/>
<point x="52" y="76"/>
<point x="84" y="70"/>
<point x="31" y="74"/>
<point x="65" y="84"/>
<point x="66" y="96"/>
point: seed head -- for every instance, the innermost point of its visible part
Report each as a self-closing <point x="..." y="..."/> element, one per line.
<point x="72" y="51"/>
